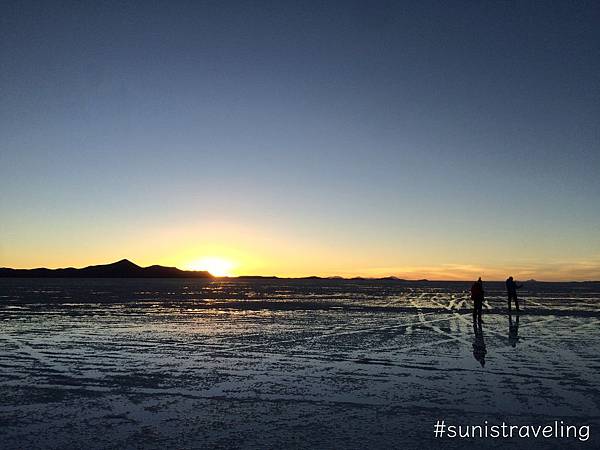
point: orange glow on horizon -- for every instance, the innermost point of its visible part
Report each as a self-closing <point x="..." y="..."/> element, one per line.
<point x="215" y="266"/>
<point x="232" y="249"/>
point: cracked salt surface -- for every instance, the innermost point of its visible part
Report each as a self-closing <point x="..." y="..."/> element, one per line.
<point x="278" y="363"/>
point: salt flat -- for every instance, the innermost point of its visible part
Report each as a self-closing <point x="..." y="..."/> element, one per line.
<point x="136" y="363"/>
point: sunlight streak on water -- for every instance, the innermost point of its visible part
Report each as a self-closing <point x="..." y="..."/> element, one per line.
<point x="124" y="354"/>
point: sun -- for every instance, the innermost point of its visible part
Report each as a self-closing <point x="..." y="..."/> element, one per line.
<point x="216" y="266"/>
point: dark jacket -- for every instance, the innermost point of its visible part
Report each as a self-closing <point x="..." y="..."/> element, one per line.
<point x="511" y="287"/>
<point x="477" y="292"/>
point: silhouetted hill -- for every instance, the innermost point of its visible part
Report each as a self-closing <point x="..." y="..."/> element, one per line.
<point x="391" y="278"/>
<point x="119" y="269"/>
<point x="257" y="277"/>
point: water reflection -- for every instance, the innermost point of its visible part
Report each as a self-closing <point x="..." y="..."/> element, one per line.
<point x="513" y="330"/>
<point x="160" y="354"/>
<point x="479" y="350"/>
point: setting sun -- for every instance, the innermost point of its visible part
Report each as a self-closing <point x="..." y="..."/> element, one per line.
<point x="216" y="266"/>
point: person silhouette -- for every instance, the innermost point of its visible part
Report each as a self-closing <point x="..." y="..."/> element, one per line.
<point x="479" y="350"/>
<point x="477" y="296"/>
<point x="513" y="330"/>
<point x="511" y="289"/>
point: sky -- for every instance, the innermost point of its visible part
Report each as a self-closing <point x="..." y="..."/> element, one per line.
<point x="440" y="140"/>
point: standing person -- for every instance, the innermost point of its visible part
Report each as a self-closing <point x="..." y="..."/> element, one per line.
<point x="477" y="297"/>
<point x="511" y="289"/>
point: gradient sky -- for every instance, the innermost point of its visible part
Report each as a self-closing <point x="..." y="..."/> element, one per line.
<point x="418" y="139"/>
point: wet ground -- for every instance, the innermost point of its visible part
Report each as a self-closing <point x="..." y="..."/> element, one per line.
<point x="290" y="364"/>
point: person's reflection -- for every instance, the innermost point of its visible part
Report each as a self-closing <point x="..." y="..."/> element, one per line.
<point x="513" y="330"/>
<point x="479" y="350"/>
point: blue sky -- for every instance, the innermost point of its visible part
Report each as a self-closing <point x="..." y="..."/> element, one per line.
<point x="303" y="137"/>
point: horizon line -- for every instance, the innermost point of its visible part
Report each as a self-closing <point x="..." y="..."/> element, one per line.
<point x="303" y="277"/>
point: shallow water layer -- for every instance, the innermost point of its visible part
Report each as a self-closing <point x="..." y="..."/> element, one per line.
<point x="132" y="363"/>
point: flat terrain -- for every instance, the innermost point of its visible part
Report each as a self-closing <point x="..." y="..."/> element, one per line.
<point x="277" y="363"/>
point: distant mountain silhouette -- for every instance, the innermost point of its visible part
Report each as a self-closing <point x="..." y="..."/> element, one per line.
<point x="257" y="277"/>
<point x="392" y="278"/>
<point x="119" y="269"/>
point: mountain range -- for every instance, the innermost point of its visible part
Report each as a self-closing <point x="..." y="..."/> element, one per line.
<point x="119" y="269"/>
